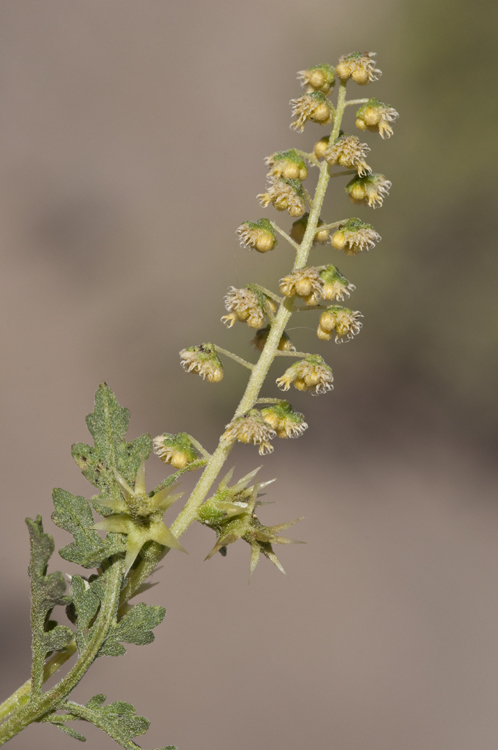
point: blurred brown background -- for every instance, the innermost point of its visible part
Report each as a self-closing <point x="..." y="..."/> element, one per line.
<point x="132" y="138"/>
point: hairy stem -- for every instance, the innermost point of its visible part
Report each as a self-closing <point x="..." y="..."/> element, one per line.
<point x="49" y="701"/>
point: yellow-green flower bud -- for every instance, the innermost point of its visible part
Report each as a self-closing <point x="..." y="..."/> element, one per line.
<point x="347" y="151"/>
<point x="370" y="190"/>
<point x="286" y="422"/>
<point x="257" y="235"/>
<point x="376" y="116"/>
<point x="315" y="107"/>
<point x="360" y="66"/>
<point x="251" y="428"/>
<point x="343" y="321"/>
<point x="287" y="164"/>
<point x="355" y="236"/>
<point x="299" y="228"/>
<point x="335" y="285"/>
<point x="285" y="195"/>
<point x="317" y="78"/>
<point x="321" y="146"/>
<point x="204" y="361"/>
<point x="310" y="374"/>
<point x="244" y="305"/>
<point x="176" y="450"/>
<point x="303" y="283"/>
<point x="259" y="341"/>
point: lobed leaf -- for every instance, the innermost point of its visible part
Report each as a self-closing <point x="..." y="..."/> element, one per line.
<point x="74" y="514"/>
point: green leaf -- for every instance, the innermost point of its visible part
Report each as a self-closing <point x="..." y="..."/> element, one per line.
<point x="74" y="514"/>
<point x="108" y="424"/>
<point x="47" y="591"/>
<point x="135" y="627"/>
<point x="119" y="720"/>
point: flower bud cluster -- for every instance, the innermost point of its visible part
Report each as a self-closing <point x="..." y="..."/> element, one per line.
<point x="317" y="78"/>
<point x="376" y="117"/>
<point x="360" y="66"/>
<point x="286" y="422"/>
<point x="176" y="450"/>
<point x="257" y="235"/>
<point x="287" y="164"/>
<point x="355" y="236"/>
<point x="251" y="428"/>
<point x="203" y="360"/>
<point x="347" y="151"/>
<point x="315" y="107"/>
<point x="310" y="374"/>
<point x="335" y="285"/>
<point x="248" y="306"/>
<point x="343" y="321"/>
<point x="368" y="191"/>
<point x="313" y="284"/>
<point x="285" y="195"/>
<point x="299" y="228"/>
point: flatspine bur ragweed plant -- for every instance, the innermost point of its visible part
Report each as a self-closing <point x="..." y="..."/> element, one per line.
<point x="138" y="526"/>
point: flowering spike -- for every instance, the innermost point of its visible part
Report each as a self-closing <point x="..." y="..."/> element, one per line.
<point x="244" y="305"/>
<point x="335" y="285"/>
<point x="305" y="283"/>
<point x="286" y="422"/>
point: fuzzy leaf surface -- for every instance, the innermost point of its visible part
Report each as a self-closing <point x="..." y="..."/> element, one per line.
<point x="74" y="514"/>
<point x="119" y="720"/>
<point x="108" y="424"/>
<point x="135" y="627"/>
<point x="47" y="591"/>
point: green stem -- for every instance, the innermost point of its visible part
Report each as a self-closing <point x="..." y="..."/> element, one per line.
<point x="289" y="239"/>
<point x="49" y="701"/>
<point x="234" y="357"/>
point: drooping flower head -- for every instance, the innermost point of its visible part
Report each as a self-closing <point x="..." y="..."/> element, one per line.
<point x="317" y="78"/>
<point x="314" y="107"/>
<point x="335" y="285"/>
<point x="176" y="450"/>
<point x="257" y="235"/>
<point x="286" y="422"/>
<point x="360" y="66"/>
<point x="343" y="321"/>
<point x="347" y="151"/>
<point x="377" y="117"/>
<point x="251" y="428"/>
<point x="203" y="360"/>
<point x="305" y="283"/>
<point x="310" y="374"/>
<point x="287" y="164"/>
<point x="354" y="236"/>
<point x="285" y="195"/>
<point x="299" y="228"/>
<point x="244" y="305"/>
<point x="368" y="191"/>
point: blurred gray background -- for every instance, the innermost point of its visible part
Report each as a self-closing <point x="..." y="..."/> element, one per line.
<point x="132" y="138"/>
